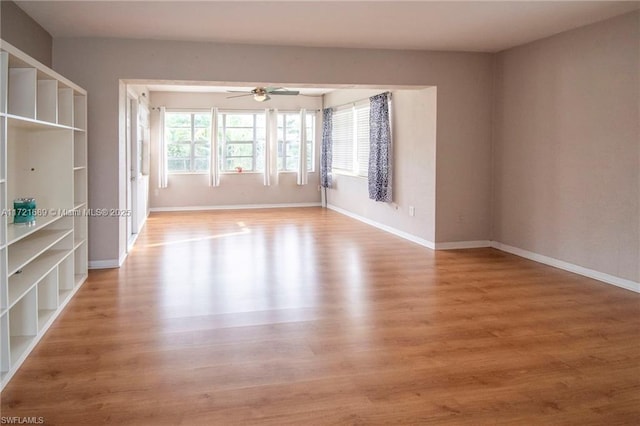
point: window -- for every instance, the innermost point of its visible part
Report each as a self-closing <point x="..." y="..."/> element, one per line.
<point x="242" y="141"/>
<point x="289" y="140"/>
<point x="351" y="140"/>
<point x="188" y="141"/>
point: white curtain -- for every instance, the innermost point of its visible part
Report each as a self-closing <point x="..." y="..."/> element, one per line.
<point x="214" y="167"/>
<point x="303" y="179"/>
<point x="163" y="172"/>
<point x="271" y="149"/>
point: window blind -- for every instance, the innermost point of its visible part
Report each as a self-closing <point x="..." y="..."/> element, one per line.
<point x="362" y="140"/>
<point x="342" y="135"/>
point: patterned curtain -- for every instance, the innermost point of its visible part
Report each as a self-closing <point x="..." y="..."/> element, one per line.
<point x="380" y="148"/>
<point x="163" y="172"/>
<point x="326" y="148"/>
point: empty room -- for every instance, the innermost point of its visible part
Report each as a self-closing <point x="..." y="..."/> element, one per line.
<point x="319" y="212"/>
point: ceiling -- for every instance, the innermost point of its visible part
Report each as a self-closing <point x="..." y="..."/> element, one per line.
<point x="488" y="26"/>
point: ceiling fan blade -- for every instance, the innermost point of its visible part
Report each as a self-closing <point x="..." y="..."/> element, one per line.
<point x="237" y="91"/>
<point x="240" y="96"/>
<point x="285" y="92"/>
<point x="270" y="89"/>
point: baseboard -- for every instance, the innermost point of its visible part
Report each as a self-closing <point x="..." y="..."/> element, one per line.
<point x="104" y="264"/>
<point x="234" y="207"/>
<point x="389" y="229"/>
<point x="455" y="245"/>
<point x="590" y="273"/>
<point x="560" y="264"/>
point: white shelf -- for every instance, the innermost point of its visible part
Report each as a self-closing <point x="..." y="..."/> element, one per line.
<point x="29" y="248"/>
<point x="43" y="154"/>
<point x="19" y="284"/>
<point x="80" y="278"/>
<point x="16" y="232"/>
<point x="33" y="124"/>
<point x="77" y="243"/>
<point x="63" y="295"/>
<point x="19" y="345"/>
<point x="44" y="315"/>
<point x="22" y="91"/>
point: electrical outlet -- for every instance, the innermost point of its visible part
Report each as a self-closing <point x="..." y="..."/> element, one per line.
<point x="412" y="211"/>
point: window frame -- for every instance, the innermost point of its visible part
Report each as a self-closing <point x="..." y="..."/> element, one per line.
<point x="311" y="144"/>
<point x="222" y="127"/>
<point x="192" y="142"/>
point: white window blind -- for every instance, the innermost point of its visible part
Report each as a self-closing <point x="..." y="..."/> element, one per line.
<point x="351" y="140"/>
<point x="362" y="140"/>
<point x="342" y="135"/>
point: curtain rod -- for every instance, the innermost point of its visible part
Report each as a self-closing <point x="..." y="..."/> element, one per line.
<point x="234" y="109"/>
<point x="353" y="103"/>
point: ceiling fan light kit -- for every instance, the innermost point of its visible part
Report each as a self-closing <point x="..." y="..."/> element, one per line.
<point x="262" y="94"/>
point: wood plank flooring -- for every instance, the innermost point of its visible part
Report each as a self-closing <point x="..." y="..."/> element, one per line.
<point x="305" y="316"/>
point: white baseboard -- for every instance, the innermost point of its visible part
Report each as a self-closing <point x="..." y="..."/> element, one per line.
<point x="233" y="207"/>
<point x="560" y="264"/>
<point x="389" y="229"/>
<point x="104" y="264"/>
<point x="455" y="245"/>
<point x="590" y="273"/>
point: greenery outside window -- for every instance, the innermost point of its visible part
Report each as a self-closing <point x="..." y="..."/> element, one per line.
<point x="188" y="141"/>
<point x="289" y="141"/>
<point x="242" y="138"/>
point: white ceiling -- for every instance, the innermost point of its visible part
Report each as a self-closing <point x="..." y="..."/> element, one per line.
<point x="488" y="26"/>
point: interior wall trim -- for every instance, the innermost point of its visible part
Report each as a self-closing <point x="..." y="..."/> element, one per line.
<point x="560" y="264"/>
<point x="389" y="229"/>
<point x="104" y="264"/>
<point x="234" y="207"/>
<point x="453" y="245"/>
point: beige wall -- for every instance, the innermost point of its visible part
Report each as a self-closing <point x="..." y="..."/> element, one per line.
<point x="567" y="147"/>
<point x="463" y="80"/>
<point x="186" y="190"/>
<point x="414" y="165"/>
<point x="17" y="28"/>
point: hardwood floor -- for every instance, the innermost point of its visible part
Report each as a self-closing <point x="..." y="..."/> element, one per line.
<point x="305" y="316"/>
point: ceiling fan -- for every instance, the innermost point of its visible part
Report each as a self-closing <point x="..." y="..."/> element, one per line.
<point x="262" y="94"/>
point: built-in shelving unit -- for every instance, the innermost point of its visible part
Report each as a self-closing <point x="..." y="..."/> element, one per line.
<point x="43" y="155"/>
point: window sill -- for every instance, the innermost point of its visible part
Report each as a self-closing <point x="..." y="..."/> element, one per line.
<point x="187" y="173"/>
<point x="241" y="173"/>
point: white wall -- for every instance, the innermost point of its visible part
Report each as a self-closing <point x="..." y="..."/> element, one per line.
<point x="236" y="189"/>
<point x="463" y="80"/>
<point x="567" y="147"/>
<point x="414" y="165"/>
